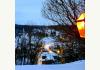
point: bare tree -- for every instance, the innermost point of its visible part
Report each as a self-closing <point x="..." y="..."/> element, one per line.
<point x="63" y="12"/>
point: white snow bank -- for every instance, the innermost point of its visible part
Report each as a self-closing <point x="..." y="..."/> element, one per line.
<point x="78" y="65"/>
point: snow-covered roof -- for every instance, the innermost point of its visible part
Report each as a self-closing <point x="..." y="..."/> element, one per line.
<point x="47" y="40"/>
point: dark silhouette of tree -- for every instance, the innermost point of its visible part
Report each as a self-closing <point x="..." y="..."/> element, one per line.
<point x="63" y="11"/>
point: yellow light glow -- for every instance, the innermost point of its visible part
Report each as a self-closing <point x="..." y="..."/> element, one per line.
<point x="47" y="47"/>
<point x="82" y="16"/>
<point x="58" y="51"/>
<point x="81" y="25"/>
<point x="50" y="51"/>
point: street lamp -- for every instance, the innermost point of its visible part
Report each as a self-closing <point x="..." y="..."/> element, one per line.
<point x="81" y="25"/>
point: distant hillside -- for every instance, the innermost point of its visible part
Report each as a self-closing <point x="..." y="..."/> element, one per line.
<point x="56" y="27"/>
<point x="67" y="29"/>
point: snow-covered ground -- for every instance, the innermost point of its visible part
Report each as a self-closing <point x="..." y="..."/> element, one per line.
<point x="78" y="65"/>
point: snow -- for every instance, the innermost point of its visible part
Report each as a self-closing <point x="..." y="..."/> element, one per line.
<point x="49" y="55"/>
<point x="47" y="40"/>
<point x="78" y="65"/>
<point x="34" y="39"/>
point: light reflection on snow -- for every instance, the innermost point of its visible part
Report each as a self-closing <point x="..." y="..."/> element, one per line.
<point x="49" y="53"/>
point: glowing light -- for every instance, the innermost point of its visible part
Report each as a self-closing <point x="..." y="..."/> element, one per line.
<point x="82" y="17"/>
<point x="50" y="51"/>
<point x="58" y="51"/>
<point x="81" y="25"/>
<point x="39" y="60"/>
<point x="47" y="47"/>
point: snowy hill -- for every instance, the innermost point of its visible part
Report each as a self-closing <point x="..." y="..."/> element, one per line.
<point x="78" y="65"/>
